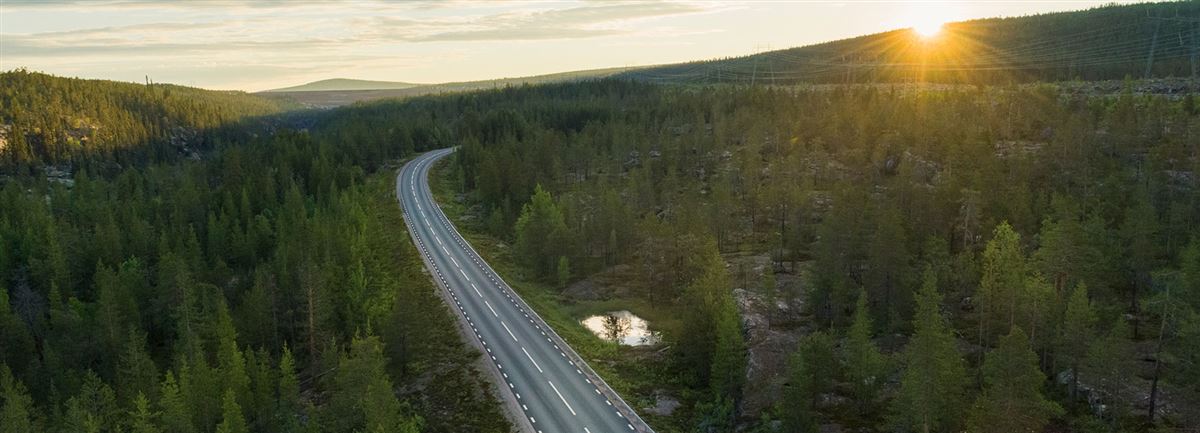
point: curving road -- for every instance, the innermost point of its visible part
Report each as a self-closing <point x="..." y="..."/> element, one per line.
<point x="547" y="383"/>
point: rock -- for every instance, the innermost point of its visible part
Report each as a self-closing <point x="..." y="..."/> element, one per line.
<point x="664" y="404"/>
<point x="583" y="290"/>
<point x="830" y="428"/>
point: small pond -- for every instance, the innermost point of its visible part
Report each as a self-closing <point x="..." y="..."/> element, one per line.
<point x="622" y="327"/>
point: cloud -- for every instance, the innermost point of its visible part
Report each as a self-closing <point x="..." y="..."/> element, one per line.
<point x="605" y="19"/>
<point x="277" y="39"/>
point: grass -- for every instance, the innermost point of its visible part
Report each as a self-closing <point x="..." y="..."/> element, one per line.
<point x="635" y="373"/>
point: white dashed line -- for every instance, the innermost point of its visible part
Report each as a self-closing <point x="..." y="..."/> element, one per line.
<point x="560" y="397"/>
<point x="510" y="333"/>
<point x="535" y="364"/>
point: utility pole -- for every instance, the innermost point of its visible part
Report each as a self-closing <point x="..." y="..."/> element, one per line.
<point x="1153" y="45"/>
<point x="1195" y="48"/>
<point x="754" y="70"/>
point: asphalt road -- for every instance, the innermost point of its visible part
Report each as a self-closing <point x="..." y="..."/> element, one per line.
<point x="551" y="385"/>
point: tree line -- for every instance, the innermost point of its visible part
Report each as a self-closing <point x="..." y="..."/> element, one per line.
<point x="266" y="286"/>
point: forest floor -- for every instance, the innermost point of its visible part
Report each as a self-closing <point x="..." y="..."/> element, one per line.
<point x="643" y="375"/>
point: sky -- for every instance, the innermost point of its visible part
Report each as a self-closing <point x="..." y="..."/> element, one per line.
<point x="259" y="45"/>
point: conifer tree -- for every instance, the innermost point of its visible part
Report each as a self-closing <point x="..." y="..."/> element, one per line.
<point x="1012" y="399"/>
<point x="142" y="420"/>
<point x="16" y="411"/>
<point x="935" y="376"/>
<point x="232" y="420"/>
<point x="174" y="409"/>
<point x="136" y="372"/>
<point x="1003" y="281"/>
<point x="863" y="362"/>
<point x="288" y="407"/>
<point x="1076" y="333"/>
<point x="810" y="373"/>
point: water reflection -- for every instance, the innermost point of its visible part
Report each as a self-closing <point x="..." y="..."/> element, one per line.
<point x="622" y="327"/>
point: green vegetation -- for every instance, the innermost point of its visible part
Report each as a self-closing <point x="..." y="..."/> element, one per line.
<point x="1104" y="43"/>
<point x="268" y="286"/>
<point x="51" y="120"/>
<point x="1011" y="197"/>
<point x="980" y="258"/>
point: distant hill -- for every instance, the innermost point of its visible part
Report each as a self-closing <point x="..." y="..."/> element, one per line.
<point x="46" y="119"/>
<point x="1111" y="42"/>
<point x="334" y="98"/>
<point x="341" y="84"/>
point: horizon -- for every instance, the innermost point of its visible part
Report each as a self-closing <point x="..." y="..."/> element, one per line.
<point x="434" y="42"/>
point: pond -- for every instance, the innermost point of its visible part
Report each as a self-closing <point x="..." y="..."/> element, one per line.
<point x="622" y="327"/>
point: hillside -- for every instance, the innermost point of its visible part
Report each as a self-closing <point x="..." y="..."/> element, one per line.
<point x="49" y="119"/>
<point x="1106" y="43"/>
<point x="340" y="84"/>
<point x="334" y="98"/>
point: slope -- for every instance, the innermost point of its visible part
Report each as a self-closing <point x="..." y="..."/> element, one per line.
<point x="49" y="119"/>
<point x="339" y="84"/>
<point x="1110" y="42"/>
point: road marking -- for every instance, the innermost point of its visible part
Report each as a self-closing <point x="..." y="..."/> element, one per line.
<point x="510" y="334"/>
<point x="436" y="238"/>
<point x="535" y="364"/>
<point x="464" y="274"/>
<point x="489" y="305"/>
<point x="585" y="430"/>
<point x="455" y="263"/>
<point x="560" y="397"/>
<point x="477" y="293"/>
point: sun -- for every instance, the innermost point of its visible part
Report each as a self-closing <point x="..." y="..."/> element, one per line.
<point x="928" y="29"/>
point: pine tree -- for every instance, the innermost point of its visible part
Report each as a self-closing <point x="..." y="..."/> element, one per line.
<point x="1003" y="281"/>
<point x="1076" y="333"/>
<point x="934" y="382"/>
<point x="17" y="412"/>
<point x="136" y="372"/>
<point x="232" y="420"/>
<point x="728" y="370"/>
<point x="539" y="230"/>
<point x="176" y="417"/>
<point x="810" y="373"/>
<point x="15" y="339"/>
<point x="1108" y="364"/>
<point x="288" y="407"/>
<point x="142" y="420"/>
<point x="563" y="272"/>
<point x="1012" y="399"/>
<point x="230" y="360"/>
<point x="864" y="363"/>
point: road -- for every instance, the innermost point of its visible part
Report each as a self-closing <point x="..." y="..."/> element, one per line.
<point x="546" y="381"/>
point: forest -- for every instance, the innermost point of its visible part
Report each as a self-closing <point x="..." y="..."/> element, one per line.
<point x="958" y="256"/>
<point x="1146" y="40"/>
<point x="213" y="295"/>
<point x="965" y="253"/>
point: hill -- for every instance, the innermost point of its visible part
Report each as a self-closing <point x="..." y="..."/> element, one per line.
<point x="1111" y="42"/>
<point x="334" y="98"/>
<point x="49" y="119"/>
<point x="338" y="84"/>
